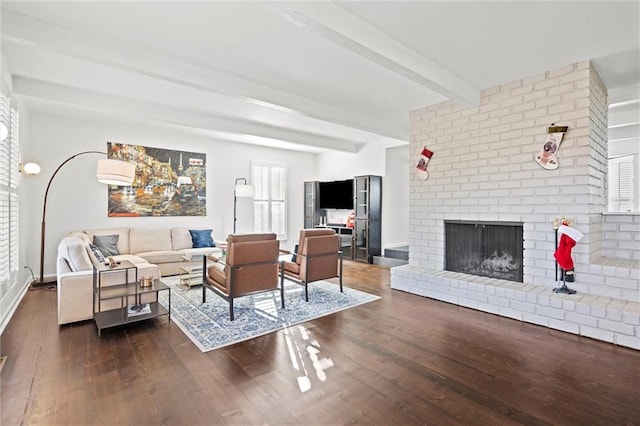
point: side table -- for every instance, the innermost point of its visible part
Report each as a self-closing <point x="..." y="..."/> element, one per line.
<point x="126" y="291"/>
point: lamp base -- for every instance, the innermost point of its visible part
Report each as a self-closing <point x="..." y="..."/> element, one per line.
<point x="47" y="282"/>
<point x="564" y="289"/>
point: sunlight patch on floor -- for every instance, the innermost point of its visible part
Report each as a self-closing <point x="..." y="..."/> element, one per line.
<point x="310" y="349"/>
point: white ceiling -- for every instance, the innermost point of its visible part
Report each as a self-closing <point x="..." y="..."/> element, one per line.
<point x="307" y="76"/>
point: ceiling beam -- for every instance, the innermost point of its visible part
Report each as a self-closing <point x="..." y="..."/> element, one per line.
<point x="333" y="23"/>
<point x="53" y="39"/>
<point x="233" y="130"/>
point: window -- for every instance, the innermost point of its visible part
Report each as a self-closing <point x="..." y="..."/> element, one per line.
<point x="8" y="195"/>
<point x="270" y="203"/>
<point x="621" y="184"/>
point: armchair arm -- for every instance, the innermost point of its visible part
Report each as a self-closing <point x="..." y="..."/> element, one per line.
<point x="214" y="258"/>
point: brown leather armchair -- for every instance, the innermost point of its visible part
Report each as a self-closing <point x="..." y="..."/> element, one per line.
<point x="249" y="267"/>
<point x="317" y="257"/>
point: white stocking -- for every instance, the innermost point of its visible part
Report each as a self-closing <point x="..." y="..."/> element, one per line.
<point x="547" y="156"/>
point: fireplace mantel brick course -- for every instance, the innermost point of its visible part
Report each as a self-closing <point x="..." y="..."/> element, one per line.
<point x="483" y="169"/>
<point x="598" y="317"/>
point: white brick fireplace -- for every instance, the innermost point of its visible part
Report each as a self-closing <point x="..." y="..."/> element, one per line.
<point x="483" y="169"/>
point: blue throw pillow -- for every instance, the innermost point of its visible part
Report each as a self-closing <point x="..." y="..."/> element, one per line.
<point x="201" y="238"/>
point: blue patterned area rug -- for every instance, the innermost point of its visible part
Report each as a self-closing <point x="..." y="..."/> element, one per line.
<point x="208" y="325"/>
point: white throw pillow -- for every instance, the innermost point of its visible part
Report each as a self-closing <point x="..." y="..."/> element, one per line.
<point x="74" y="251"/>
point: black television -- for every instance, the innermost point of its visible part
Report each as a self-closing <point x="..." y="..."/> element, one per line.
<point x="336" y="195"/>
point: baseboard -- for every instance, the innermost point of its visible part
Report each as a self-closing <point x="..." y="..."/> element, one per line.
<point x="4" y="320"/>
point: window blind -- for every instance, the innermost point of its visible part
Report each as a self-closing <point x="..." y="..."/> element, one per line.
<point x="8" y="195"/>
<point x="270" y="203"/>
<point x="621" y="184"/>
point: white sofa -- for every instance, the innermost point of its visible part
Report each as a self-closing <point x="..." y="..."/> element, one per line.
<point x="160" y="246"/>
<point x="155" y="252"/>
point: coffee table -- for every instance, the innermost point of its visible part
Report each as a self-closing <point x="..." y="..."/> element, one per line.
<point x="191" y="267"/>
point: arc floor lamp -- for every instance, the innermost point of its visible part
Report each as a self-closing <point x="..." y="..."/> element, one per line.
<point x="109" y="172"/>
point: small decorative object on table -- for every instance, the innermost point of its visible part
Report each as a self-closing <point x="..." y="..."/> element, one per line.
<point x="146" y="281"/>
<point x="223" y="246"/>
<point x="136" y="310"/>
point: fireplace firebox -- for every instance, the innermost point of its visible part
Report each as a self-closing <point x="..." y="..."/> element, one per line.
<point x="487" y="249"/>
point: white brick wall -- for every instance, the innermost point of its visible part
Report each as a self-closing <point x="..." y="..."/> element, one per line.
<point x="621" y="236"/>
<point x="484" y="168"/>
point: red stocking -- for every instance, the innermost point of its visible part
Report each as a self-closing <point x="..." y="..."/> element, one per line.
<point x="568" y="240"/>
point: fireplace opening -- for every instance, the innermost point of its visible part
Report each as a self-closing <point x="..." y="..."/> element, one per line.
<point x="486" y="249"/>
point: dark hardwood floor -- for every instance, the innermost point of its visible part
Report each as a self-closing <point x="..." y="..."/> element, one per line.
<point x="402" y="359"/>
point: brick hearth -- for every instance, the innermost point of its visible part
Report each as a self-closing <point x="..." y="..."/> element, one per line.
<point x="599" y="317"/>
<point x="483" y="169"/>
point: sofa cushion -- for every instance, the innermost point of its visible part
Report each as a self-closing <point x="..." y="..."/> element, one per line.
<point x="136" y="260"/>
<point x="146" y="240"/>
<point x="74" y="251"/>
<point x="107" y="244"/>
<point x="123" y="237"/>
<point x="291" y="267"/>
<point x="202" y="238"/>
<point x="216" y="271"/>
<point x="203" y="250"/>
<point x="181" y="238"/>
<point x="81" y="235"/>
<point x="164" y="256"/>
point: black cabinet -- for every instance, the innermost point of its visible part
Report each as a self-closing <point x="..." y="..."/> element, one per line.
<point x="363" y="241"/>
<point x="311" y="210"/>
<point x="368" y="210"/>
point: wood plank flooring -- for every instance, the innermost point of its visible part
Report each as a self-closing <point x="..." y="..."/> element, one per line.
<point x="400" y="360"/>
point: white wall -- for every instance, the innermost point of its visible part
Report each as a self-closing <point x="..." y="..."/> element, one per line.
<point x="395" y="200"/>
<point x="77" y="201"/>
<point x="381" y="160"/>
<point x="340" y="165"/>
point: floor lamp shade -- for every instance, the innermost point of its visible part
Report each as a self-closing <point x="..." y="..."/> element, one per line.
<point x="241" y="189"/>
<point x="115" y="172"/>
<point x="245" y="191"/>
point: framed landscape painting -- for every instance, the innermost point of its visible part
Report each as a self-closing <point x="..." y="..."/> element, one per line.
<point x="167" y="182"/>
